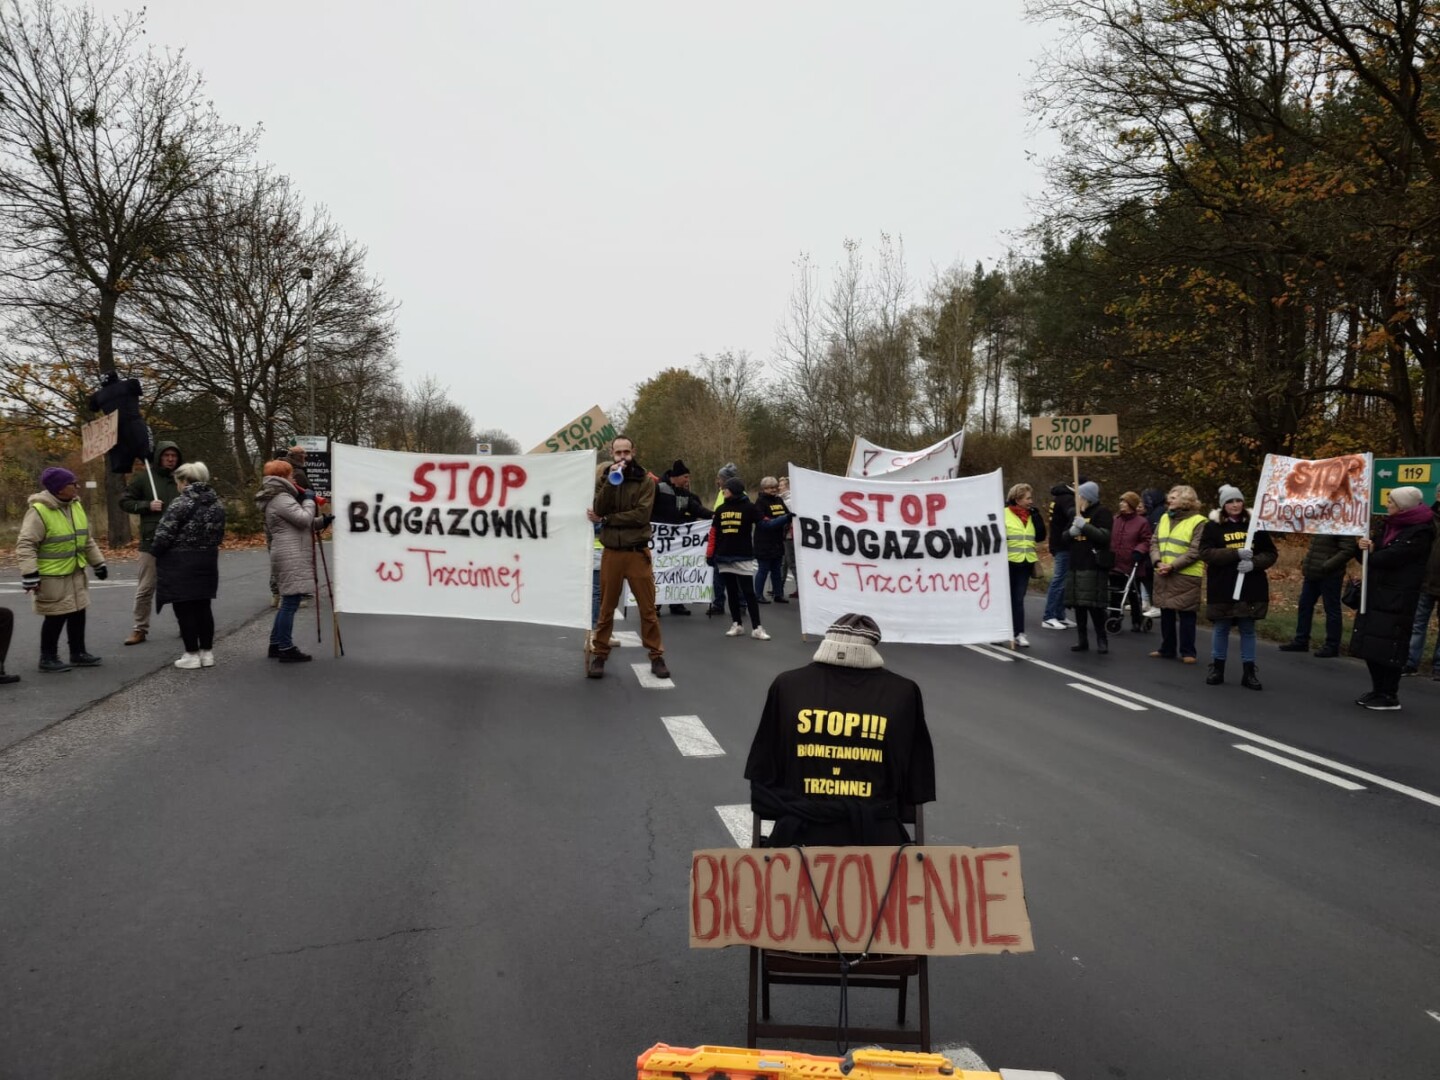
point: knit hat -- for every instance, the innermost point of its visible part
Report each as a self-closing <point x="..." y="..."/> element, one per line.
<point x="1229" y="493"/>
<point x="728" y="471"/>
<point x="1090" y="492"/>
<point x="679" y="469"/>
<point x="735" y="486"/>
<point x="56" y="479"/>
<point x="850" y="642"/>
<point x="1404" y="497"/>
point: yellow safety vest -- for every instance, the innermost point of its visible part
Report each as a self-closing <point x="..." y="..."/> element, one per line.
<point x="62" y="552"/>
<point x="1174" y="544"/>
<point x="1019" y="537"/>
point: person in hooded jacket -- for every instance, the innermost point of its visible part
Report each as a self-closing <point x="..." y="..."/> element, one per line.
<point x="149" y="503"/>
<point x="290" y="520"/>
<point x="1381" y="635"/>
<point x="186" y="545"/>
<point x="734" y="555"/>
<point x="1130" y="545"/>
<point x="1087" y="585"/>
<point x="729" y="471"/>
<point x="1223" y="550"/>
<point x="1062" y="513"/>
<point x="53" y="548"/>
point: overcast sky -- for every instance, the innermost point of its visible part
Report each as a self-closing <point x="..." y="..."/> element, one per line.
<point x="567" y="198"/>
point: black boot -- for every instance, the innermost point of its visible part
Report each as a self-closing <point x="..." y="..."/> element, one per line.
<point x="1248" y="678"/>
<point x="7" y="678"/>
<point x="1084" y="645"/>
<point x="1216" y="675"/>
<point x="1102" y="642"/>
<point x="1296" y="646"/>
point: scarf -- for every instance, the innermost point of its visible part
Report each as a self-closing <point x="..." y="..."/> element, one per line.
<point x="1021" y="512"/>
<point x="1416" y="515"/>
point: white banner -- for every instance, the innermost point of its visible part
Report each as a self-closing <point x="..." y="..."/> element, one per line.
<point x="682" y="576"/>
<point x="503" y="538"/>
<point x="1331" y="495"/>
<point x="938" y="462"/>
<point x="925" y="560"/>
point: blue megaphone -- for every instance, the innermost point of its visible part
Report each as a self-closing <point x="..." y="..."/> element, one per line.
<point x="617" y="474"/>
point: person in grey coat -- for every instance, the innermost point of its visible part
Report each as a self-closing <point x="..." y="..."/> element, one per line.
<point x="291" y="520"/>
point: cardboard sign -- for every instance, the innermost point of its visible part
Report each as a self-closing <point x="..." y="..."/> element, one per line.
<point x="942" y="901"/>
<point x="591" y="431"/>
<point x="98" y="436"/>
<point x="1330" y="495"/>
<point x="1390" y="473"/>
<point x="1074" y="436"/>
<point x="503" y="538"/>
<point x="924" y="560"/>
<point x="677" y="554"/>
<point x="938" y="462"/>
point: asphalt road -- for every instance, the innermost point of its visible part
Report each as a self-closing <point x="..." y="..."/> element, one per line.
<point x="448" y="854"/>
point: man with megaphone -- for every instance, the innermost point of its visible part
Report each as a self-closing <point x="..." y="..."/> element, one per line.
<point x="624" y="504"/>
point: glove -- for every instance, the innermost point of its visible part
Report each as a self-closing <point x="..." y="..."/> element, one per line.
<point x="30" y="582"/>
<point x="1246" y="554"/>
<point x="1245" y="566"/>
<point x="1077" y="526"/>
<point x="102" y="572"/>
<point x="307" y="496"/>
<point x="325" y="520"/>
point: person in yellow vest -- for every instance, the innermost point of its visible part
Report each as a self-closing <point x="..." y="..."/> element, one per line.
<point x="1024" y="529"/>
<point x="53" y="549"/>
<point x="1179" y="572"/>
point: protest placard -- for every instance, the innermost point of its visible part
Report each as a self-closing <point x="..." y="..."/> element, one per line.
<point x="931" y="900"/>
<point x="938" y="462"/>
<point x="926" y="560"/>
<point x="1329" y="495"/>
<point x="589" y="431"/>
<point x="677" y="554"/>
<point x="1074" y="436"/>
<point x="99" y="435"/>
<point x="502" y="538"/>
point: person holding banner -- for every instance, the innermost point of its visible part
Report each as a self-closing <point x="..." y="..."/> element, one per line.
<point x="772" y="521"/>
<point x="1024" y="528"/>
<point x="1178" y="571"/>
<point x="290" y="518"/>
<point x="1062" y="513"/>
<point x="675" y="504"/>
<point x="1223" y="550"/>
<point x="1087" y="586"/>
<point x="147" y="496"/>
<point x="624" y="503"/>
<point x="1428" y="603"/>
<point x="1395" y="570"/>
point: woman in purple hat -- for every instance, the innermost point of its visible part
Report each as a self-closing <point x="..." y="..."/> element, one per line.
<point x="53" y="549"/>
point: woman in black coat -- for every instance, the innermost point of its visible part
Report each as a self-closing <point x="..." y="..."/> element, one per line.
<point x="187" y="561"/>
<point x="1396" y="569"/>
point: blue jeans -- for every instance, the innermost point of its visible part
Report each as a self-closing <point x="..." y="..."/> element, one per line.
<point x="1428" y="604"/>
<point x="1055" y="597"/>
<point x="282" y="631"/>
<point x="1220" y="639"/>
<point x="772" y="569"/>
<point x="1328" y="591"/>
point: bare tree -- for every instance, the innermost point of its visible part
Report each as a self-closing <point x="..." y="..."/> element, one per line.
<point x="501" y="442"/>
<point x="426" y="420"/>
<point x="805" y="389"/>
<point x="101" y="142"/>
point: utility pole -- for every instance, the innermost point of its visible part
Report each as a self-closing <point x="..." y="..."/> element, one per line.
<point x="305" y="275"/>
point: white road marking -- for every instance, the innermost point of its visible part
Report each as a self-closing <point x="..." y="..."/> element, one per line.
<point x="1241" y="733"/>
<point x="737" y="822"/>
<point x="625" y="638"/>
<point x="990" y="653"/>
<point x="1433" y="1014"/>
<point x="692" y="737"/>
<point x="962" y="1057"/>
<point x="649" y="681"/>
<point x="1306" y="769"/>
<point x="1132" y="706"/>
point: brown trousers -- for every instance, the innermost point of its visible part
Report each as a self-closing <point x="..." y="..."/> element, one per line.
<point x="616" y="569"/>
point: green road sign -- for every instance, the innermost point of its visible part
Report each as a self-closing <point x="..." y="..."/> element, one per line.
<point x="1391" y="472"/>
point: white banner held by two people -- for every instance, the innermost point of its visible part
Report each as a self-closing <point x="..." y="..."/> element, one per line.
<point x="938" y="462"/>
<point x="502" y="538"/>
<point x="1329" y="495"/>
<point x="926" y="560"/>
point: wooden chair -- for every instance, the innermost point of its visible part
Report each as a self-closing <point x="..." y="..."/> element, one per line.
<point x="770" y="967"/>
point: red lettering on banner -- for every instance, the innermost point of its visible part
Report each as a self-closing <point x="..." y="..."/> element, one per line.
<point x="910" y="511"/>
<point x="427" y="489"/>
<point x="481" y="487"/>
<point x="857" y="936"/>
<point x="454" y="468"/>
<point x="934" y="503"/>
<point x="935" y="893"/>
<point x="986" y="897"/>
<point x="850" y="508"/>
<point x="385" y="574"/>
<point x="696" y="896"/>
<point x="786" y="928"/>
<point x="748" y="861"/>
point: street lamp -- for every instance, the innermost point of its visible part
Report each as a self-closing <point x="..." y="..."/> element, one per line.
<point x="305" y="275"/>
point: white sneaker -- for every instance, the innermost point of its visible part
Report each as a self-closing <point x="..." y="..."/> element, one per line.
<point x="190" y="661"/>
<point x="207" y="658"/>
<point x="1070" y="624"/>
<point x="759" y="634"/>
<point x="1054" y="624"/>
<point x="1151" y="612"/>
<point x="1022" y="641"/>
<point x="735" y="630"/>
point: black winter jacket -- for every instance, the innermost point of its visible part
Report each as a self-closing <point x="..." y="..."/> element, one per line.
<point x="1382" y="631"/>
<point x="1220" y="544"/>
<point x="772" y="517"/>
<point x="187" y="545"/>
<point x="1062" y="514"/>
<point x="735" y="529"/>
<point x="1328" y="556"/>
